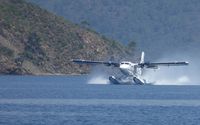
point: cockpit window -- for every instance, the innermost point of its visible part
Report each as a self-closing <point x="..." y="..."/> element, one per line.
<point x="125" y="63"/>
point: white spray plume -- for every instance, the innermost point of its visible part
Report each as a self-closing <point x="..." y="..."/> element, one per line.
<point x="180" y="75"/>
<point x="98" y="80"/>
<point x="98" y="76"/>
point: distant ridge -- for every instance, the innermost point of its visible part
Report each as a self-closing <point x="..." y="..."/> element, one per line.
<point x="34" y="41"/>
<point x="159" y="27"/>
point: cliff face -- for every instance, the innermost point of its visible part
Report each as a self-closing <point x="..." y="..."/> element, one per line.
<point x="34" y="41"/>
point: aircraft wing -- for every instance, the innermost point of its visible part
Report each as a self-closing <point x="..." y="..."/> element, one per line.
<point x="107" y="63"/>
<point x="155" y="65"/>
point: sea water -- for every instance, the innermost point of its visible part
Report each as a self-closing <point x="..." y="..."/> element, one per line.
<point x="62" y="100"/>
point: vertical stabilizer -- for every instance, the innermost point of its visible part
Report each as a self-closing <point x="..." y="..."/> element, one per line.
<point x="140" y="69"/>
<point x="142" y="58"/>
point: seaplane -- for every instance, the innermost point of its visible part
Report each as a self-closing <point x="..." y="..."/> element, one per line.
<point x="131" y="72"/>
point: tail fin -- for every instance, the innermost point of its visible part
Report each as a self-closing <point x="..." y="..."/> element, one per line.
<point x="142" y="58"/>
<point x="140" y="70"/>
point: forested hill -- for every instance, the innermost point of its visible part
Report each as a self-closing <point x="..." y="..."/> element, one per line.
<point x="34" y="41"/>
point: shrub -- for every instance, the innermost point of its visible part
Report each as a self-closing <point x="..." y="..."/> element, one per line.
<point x="6" y="51"/>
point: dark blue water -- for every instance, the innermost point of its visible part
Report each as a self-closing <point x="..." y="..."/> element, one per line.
<point x="58" y="100"/>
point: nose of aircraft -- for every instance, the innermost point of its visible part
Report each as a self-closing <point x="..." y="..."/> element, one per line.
<point x="124" y="68"/>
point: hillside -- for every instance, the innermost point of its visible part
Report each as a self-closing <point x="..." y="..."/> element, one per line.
<point x="158" y="26"/>
<point x="34" y="41"/>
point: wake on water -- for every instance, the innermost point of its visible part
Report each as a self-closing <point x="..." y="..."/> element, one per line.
<point x="182" y="80"/>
